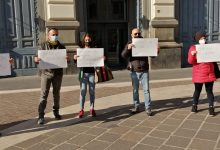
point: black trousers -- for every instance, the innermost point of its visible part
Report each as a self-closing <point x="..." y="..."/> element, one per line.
<point x="209" y="91"/>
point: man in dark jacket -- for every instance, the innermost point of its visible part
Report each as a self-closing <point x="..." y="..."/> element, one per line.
<point x="139" y="68"/>
<point x="50" y="76"/>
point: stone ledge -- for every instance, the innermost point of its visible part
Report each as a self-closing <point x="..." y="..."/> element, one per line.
<point x="60" y="1"/>
<point x="170" y="45"/>
<point x="164" y="23"/>
<point x="63" y="24"/>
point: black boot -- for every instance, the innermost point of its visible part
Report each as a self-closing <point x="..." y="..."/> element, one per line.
<point x="194" y="108"/>
<point x="57" y="115"/>
<point x="211" y="111"/>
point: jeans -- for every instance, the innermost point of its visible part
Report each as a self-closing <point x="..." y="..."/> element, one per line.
<point x="142" y="77"/>
<point x="90" y="79"/>
<point x="209" y="91"/>
<point x="46" y="81"/>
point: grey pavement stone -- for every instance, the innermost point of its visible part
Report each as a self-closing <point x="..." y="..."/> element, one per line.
<point x="197" y="116"/>
<point x="215" y="120"/>
<point x="119" y="130"/>
<point x="178" y="116"/>
<point x="41" y="146"/>
<point x="130" y="123"/>
<point x="32" y="141"/>
<point x="211" y="127"/>
<point x="157" y="117"/>
<point x="141" y="129"/>
<point x="209" y="135"/>
<point x="60" y="138"/>
<point x="96" y="145"/>
<point x="91" y="122"/>
<point x="202" y="144"/>
<point x="109" y="124"/>
<point x="157" y="142"/>
<point x="150" y="123"/>
<point x="185" y="132"/>
<point x="81" y="139"/>
<point x="133" y="136"/>
<point x="165" y="127"/>
<point x="66" y="146"/>
<point x="185" y="111"/>
<point x="121" y="144"/>
<point x="173" y="122"/>
<point x="178" y="141"/>
<point x="109" y="137"/>
<point x="139" y="116"/>
<point x="191" y="124"/>
<point x="218" y="145"/>
<point x="76" y="128"/>
<point x="165" y="147"/>
<point x="14" y="148"/>
<point x="160" y="134"/>
<point x="96" y="131"/>
<point x="144" y="147"/>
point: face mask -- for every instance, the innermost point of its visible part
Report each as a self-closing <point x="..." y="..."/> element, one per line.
<point x="54" y="38"/>
<point x="88" y="43"/>
<point x="202" y="41"/>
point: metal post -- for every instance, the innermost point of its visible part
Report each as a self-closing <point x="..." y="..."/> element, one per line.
<point x="138" y="13"/>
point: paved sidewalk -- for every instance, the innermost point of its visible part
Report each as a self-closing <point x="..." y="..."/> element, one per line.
<point x="172" y="127"/>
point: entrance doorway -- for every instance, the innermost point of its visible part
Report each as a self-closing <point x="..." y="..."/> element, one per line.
<point x="107" y="22"/>
<point x="17" y="33"/>
<point x="197" y="15"/>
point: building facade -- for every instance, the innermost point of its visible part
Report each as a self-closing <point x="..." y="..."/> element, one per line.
<point x="24" y="25"/>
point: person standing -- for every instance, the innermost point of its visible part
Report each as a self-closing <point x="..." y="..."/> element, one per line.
<point x="87" y="77"/>
<point x="139" y="71"/>
<point x="50" y="76"/>
<point x="202" y="73"/>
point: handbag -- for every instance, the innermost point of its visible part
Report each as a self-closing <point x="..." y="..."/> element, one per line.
<point x="103" y="74"/>
<point x="216" y="69"/>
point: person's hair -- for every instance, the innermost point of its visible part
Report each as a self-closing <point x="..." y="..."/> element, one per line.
<point x="82" y="43"/>
<point x="198" y="35"/>
<point x="55" y="29"/>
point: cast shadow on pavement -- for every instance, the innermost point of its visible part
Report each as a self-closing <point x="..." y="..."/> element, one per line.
<point x="108" y="117"/>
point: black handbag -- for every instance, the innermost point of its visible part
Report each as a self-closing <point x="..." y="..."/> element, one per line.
<point x="103" y="74"/>
<point x="216" y="69"/>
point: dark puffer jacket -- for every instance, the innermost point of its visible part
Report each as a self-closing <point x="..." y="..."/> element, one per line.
<point x="137" y="64"/>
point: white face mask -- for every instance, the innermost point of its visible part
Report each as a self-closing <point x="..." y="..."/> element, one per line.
<point x="202" y="41"/>
<point x="54" y="38"/>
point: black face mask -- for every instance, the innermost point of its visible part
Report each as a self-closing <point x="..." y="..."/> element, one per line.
<point x="88" y="43"/>
<point x="139" y="36"/>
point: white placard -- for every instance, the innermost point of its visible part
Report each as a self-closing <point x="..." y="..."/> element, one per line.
<point x="208" y="52"/>
<point x="5" y="66"/>
<point x="144" y="47"/>
<point x="90" y="57"/>
<point x="51" y="59"/>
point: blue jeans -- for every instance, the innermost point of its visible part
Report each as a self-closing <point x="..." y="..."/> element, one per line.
<point x="142" y="77"/>
<point x="90" y="79"/>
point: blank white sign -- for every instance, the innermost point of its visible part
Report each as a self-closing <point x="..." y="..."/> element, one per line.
<point x="208" y="52"/>
<point x="51" y="59"/>
<point x="90" y="57"/>
<point x="144" y="47"/>
<point x="5" y="66"/>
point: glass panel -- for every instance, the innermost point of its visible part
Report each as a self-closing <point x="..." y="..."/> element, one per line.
<point x="92" y="9"/>
<point x="117" y="9"/>
<point x="103" y="10"/>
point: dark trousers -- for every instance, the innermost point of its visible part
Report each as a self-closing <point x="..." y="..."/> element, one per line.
<point x="209" y="91"/>
<point x="46" y="81"/>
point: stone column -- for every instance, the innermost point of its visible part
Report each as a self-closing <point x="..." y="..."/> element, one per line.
<point x="160" y="22"/>
<point x="61" y="14"/>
